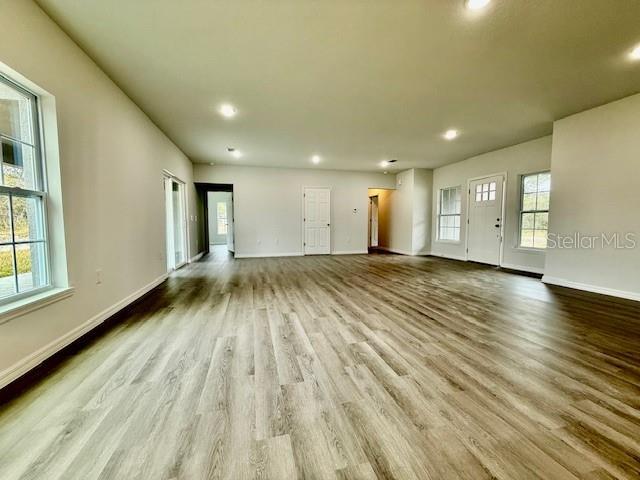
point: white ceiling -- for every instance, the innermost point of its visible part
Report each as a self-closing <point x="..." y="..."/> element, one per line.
<point x="358" y="81"/>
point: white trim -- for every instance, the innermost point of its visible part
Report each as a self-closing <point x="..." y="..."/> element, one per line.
<point x="36" y="358"/>
<point x="460" y="258"/>
<point x="591" y="288"/>
<point x="406" y="252"/>
<point x="197" y="257"/>
<point x="351" y="252"/>
<point x="523" y="268"/>
<point x="269" y="255"/>
<point x="35" y="302"/>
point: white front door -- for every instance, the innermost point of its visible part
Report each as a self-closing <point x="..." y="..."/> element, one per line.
<point x="374" y="222"/>
<point x="485" y="220"/>
<point x="317" y="221"/>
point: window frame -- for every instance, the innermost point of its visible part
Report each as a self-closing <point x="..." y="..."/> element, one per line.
<point x="440" y="215"/>
<point x="522" y="212"/>
<point x="41" y="194"/>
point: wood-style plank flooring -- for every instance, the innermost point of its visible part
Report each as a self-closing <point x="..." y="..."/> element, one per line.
<point x="343" y="367"/>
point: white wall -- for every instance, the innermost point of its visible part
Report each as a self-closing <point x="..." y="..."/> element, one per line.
<point x="422" y="211"/>
<point x="268" y="206"/>
<point x="528" y="157"/>
<point x="111" y="162"/>
<point x="596" y="189"/>
<point x="212" y="200"/>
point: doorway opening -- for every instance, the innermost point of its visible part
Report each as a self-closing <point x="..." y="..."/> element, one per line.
<point x="175" y="222"/>
<point x="379" y="219"/>
<point x="219" y="227"/>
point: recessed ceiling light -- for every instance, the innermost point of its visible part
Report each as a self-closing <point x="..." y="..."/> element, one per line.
<point x="477" y="4"/>
<point x="212" y="164"/>
<point x="234" y="153"/>
<point x="384" y="164"/>
<point x="450" y="134"/>
<point x="228" y="110"/>
<point x="635" y="53"/>
<point x="385" y="172"/>
<point x="316" y="159"/>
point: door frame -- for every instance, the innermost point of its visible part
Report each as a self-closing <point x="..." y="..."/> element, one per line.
<point x="377" y="197"/>
<point x="502" y="210"/>
<point x="302" y="217"/>
<point x="202" y="188"/>
<point x="166" y="174"/>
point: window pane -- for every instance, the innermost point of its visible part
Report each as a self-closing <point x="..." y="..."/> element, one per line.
<point x="540" y="240"/>
<point x="529" y="201"/>
<point x="528" y="221"/>
<point x="526" y="238"/>
<point x="479" y="197"/>
<point x="542" y="221"/>
<point x="478" y="188"/>
<point x="530" y="183"/>
<point x="15" y="114"/>
<point x="485" y="187"/>
<point x="543" y="201"/>
<point x="544" y="182"/>
<point x="485" y="196"/>
<point x="27" y="218"/>
<point x="32" y="266"/>
<point x="5" y="219"/>
<point x="492" y="187"/>
<point x="7" y="277"/>
<point x="19" y="165"/>
<point x="492" y="195"/>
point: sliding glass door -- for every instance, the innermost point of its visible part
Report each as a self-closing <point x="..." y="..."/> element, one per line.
<point x="175" y="205"/>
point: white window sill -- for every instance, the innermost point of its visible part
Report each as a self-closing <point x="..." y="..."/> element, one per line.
<point x="450" y="242"/>
<point x="34" y="302"/>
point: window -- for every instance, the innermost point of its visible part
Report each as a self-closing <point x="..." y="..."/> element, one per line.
<point x="24" y="263"/>
<point x="221" y="208"/>
<point x="449" y="214"/>
<point x="534" y="210"/>
<point x="486" y="192"/>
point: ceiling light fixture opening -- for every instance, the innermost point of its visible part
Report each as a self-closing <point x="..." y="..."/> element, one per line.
<point x="316" y="159"/>
<point x="635" y="53"/>
<point x="477" y="4"/>
<point x="234" y="153"/>
<point x="451" y="134"/>
<point x="227" y="110"/>
<point x="384" y="164"/>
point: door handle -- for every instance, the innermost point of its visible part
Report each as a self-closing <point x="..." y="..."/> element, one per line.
<point x="328" y="224"/>
<point x="497" y="225"/>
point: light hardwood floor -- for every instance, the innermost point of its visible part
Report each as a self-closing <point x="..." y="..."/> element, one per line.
<point x="344" y="367"/>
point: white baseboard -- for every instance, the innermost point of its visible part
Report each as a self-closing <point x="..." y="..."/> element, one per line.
<point x="350" y="252"/>
<point x="395" y="250"/>
<point x="268" y="255"/>
<point x="450" y="257"/>
<point x="523" y="268"/>
<point x="36" y="358"/>
<point x="197" y="257"/>
<point x="591" y="288"/>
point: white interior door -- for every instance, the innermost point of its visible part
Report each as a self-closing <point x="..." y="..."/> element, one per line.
<point x="485" y="220"/>
<point x="317" y="221"/>
<point x="170" y="236"/>
<point x="374" y="222"/>
<point x="230" y="233"/>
